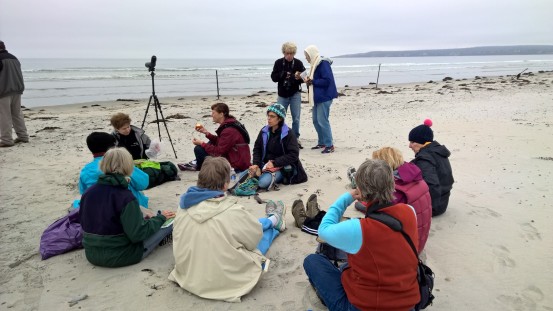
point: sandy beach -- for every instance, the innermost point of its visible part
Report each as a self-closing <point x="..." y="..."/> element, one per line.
<point x="491" y="250"/>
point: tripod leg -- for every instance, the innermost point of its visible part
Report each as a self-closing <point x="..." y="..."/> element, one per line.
<point x="156" y="102"/>
<point x="157" y="106"/>
<point x="146" y="113"/>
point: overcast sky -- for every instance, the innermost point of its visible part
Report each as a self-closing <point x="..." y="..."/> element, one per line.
<point x="257" y="28"/>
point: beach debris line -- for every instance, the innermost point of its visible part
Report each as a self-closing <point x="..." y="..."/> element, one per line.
<point x="49" y="128"/>
<point x="76" y="300"/>
<point x="177" y="116"/>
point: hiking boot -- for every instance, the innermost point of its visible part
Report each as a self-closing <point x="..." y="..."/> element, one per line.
<point x="318" y="147"/>
<point x="298" y="211"/>
<point x="328" y="149"/>
<point x="351" y="176"/>
<point x="21" y="140"/>
<point x="312" y="206"/>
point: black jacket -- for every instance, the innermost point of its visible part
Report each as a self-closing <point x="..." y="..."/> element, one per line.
<point x="280" y="69"/>
<point x="281" y="147"/>
<point x="436" y="172"/>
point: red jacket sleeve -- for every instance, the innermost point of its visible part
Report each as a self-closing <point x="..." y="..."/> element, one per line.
<point x="229" y="138"/>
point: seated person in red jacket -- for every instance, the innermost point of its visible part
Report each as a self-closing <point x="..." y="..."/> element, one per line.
<point x="115" y="234"/>
<point x="231" y="142"/>
<point x="381" y="273"/>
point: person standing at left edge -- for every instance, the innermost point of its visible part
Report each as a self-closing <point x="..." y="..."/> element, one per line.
<point x="11" y="88"/>
<point x="286" y="72"/>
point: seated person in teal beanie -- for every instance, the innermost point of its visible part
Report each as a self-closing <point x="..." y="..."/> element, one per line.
<point x="98" y="143"/>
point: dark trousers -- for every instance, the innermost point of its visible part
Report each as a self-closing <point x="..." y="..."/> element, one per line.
<point x="200" y="154"/>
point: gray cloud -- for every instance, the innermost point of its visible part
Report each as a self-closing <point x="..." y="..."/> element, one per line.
<point x="256" y="29"/>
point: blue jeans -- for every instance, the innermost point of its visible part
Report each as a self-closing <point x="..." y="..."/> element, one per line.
<point x="151" y="243"/>
<point x="294" y="102"/>
<point x="326" y="279"/>
<point x="266" y="178"/>
<point x="269" y="234"/>
<point x="321" y="112"/>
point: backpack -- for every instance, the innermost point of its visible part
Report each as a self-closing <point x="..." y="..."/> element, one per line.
<point x="237" y="125"/>
<point x="158" y="172"/>
<point x="425" y="276"/>
<point x="246" y="188"/>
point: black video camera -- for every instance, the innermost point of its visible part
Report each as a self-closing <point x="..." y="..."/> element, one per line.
<point x="287" y="80"/>
<point x="151" y="65"/>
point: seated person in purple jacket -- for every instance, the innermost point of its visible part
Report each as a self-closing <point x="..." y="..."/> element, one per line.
<point x="410" y="188"/>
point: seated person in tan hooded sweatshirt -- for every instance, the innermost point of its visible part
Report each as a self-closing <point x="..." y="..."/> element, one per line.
<point x="210" y="228"/>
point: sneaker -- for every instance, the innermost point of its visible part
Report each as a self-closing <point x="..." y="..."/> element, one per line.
<point x="351" y="176"/>
<point x="312" y="206"/>
<point x="299" y="144"/>
<point x="328" y="149"/>
<point x="281" y="225"/>
<point x="298" y="211"/>
<point x="318" y="147"/>
<point x="187" y="166"/>
<point x="2" y="145"/>
<point x="278" y="210"/>
<point x="20" y="140"/>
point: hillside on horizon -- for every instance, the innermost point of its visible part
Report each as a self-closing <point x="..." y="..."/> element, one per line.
<point x="472" y="51"/>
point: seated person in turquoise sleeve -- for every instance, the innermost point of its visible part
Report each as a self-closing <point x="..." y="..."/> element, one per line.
<point x="98" y="143"/>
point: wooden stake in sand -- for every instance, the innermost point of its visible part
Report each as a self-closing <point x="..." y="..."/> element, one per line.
<point x="378" y="76"/>
<point x="217" y="80"/>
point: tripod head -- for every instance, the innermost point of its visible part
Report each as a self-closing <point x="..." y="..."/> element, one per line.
<point x="151" y="65"/>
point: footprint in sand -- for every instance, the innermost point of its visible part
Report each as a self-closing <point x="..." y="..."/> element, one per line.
<point x="502" y="256"/>
<point x="310" y="301"/>
<point x="484" y="211"/>
<point x="525" y="300"/>
<point x="530" y="232"/>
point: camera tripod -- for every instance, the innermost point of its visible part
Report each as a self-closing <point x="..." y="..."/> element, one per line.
<point x="157" y="107"/>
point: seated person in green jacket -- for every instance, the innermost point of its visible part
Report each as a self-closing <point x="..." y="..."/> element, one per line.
<point x="115" y="232"/>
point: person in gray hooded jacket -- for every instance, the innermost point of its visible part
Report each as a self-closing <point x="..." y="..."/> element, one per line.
<point x="129" y="136"/>
<point x="11" y="88"/>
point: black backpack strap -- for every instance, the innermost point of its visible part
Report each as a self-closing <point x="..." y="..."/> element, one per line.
<point x="238" y="126"/>
<point x="394" y="224"/>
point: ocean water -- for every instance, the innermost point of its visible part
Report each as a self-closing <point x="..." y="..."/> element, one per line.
<point x="67" y="81"/>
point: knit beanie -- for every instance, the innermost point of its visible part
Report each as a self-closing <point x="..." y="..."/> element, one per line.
<point x="100" y="142"/>
<point x="278" y="109"/>
<point x="422" y="133"/>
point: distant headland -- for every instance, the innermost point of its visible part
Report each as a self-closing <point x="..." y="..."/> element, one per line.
<point x="472" y="51"/>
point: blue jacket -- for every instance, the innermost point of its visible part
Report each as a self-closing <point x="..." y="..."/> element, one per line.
<point x="91" y="172"/>
<point x="324" y="86"/>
